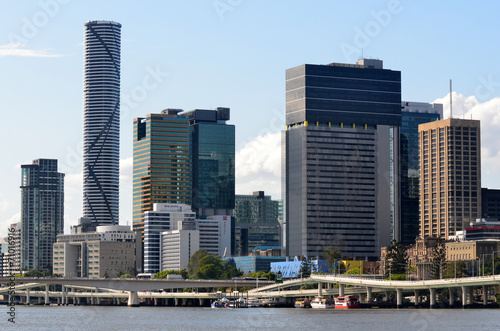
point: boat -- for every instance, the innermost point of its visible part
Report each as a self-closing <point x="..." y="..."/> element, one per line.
<point x="254" y="303"/>
<point x="322" y="302"/>
<point x="346" y="302"/>
<point x="302" y="303"/>
<point x="222" y="303"/>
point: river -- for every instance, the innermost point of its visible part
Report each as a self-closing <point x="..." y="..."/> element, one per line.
<point x="183" y="318"/>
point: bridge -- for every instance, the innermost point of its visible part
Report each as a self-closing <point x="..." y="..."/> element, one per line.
<point x="131" y="286"/>
<point x="370" y="285"/>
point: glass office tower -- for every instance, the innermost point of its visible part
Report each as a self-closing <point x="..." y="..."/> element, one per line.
<point x="336" y="155"/>
<point x="42" y="213"/>
<point x="101" y="122"/>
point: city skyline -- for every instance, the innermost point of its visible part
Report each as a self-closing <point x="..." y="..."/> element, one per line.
<point x="203" y="58"/>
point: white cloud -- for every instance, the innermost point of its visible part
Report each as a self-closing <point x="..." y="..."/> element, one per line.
<point x="22" y="51"/>
<point x="488" y="113"/>
<point x="258" y="166"/>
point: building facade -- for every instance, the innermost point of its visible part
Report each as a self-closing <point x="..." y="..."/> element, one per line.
<point x="257" y="222"/>
<point x="212" y="161"/>
<point x="163" y="217"/>
<point x="406" y="207"/>
<point x="336" y="157"/>
<point x="42" y="213"/>
<point x="101" y="122"/>
<point x="161" y="163"/>
<point x="107" y="252"/>
<point x="490" y="203"/>
<point x="215" y="234"/>
<point x="450" y="176"/>
<point x="177" y="246"/>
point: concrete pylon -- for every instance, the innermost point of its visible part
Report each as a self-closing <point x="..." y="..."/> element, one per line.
<point x="63" y="299"/>
<point x="417" y="297"/>
<point x="485" y="295"/>
<point x="28" y="296"/>
<point x="369" y="296"/>
<point x="451" y="292"/>
<point x="464" y="296"/>
<point x="341" y="290"/>
<point x="432" y="296"/>
<point x="399" y="297"/>
<point x="320" y="289"/>
<point x="47" y="297"/>
<point x="133" y="299"/>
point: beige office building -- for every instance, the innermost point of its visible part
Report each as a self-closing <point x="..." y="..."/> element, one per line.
<point x="450" y="176"/>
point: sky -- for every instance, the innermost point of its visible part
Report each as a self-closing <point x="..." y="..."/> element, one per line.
<point x="228" y="53"/>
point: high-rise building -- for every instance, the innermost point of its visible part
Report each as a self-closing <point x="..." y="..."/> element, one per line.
<point x="101" y="122"/>
<point x="256" y="222"/>
<point x="336" y="157"/>
<point x="490" y="203"/>
<point x="405" y="209"/>
<point x="42" y="213"/>
<point x="212" y="160"/>
<point x="450" y="176"/>
<point x="161" y="162"/>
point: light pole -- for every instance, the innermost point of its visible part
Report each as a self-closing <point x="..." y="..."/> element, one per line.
<point x="483" y="255"/>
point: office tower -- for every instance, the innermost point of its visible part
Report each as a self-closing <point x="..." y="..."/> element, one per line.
<point x="177" y="246"/>
<point x="256" y="222"/>
<point x="161" y="162"/>
<point x="406" y="219"/>
<point x="216" y="234"/>
<point x="42" y="213"/>
<point x="163" y="217"/>
<point x="101" y="122"/>
<point x="490" y="203"/>
<point x="450" y="176"/>
<point x="336" y="157"/>
<point x="212" y="160"/>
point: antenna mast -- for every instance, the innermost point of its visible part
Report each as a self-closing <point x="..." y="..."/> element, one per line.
<point x="451" y="102"/>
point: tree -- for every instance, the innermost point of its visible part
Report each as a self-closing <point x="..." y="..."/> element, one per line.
<point x="488" y="267"/>
<point x="331" y="255"/>
<point x="305" y="267"/>
<point x="194" y="260"/>
<point x="438" y="259"/>
<point x="215" y="267"/>
<point x="397" y="258"/>
<point x="165" y="273"/>
<point x="455" y="269"/>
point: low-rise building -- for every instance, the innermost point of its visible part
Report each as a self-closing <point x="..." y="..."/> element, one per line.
<point x="472" y="250"/>
<point x="177" y="246"/>
<point x="107" y="252"/>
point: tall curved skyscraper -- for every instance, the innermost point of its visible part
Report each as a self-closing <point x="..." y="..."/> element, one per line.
<point x="101" y="122"/>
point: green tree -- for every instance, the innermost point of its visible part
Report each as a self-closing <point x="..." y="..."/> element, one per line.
<point x="396" y="258"/>
<point x="331" y="255"/>
<point x="456" y="269"/>
<point x="215" y="267"/>
<point x="353" y="271"/>
<point x="126" y="276"/>
<point x="438" y="259"/>
<point x="193" y="266"/>
<point x="305" y="267"/>
<point x="165" y="273"/>
<point x="488" y="267"/>
<point x="262" y="274"/>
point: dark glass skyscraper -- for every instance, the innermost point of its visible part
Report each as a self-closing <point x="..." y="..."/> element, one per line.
<point x="413" y="114"/>
<point x="101" y="122"/>
<point x="212" y="161"/>
<point x="336" y="157"/>
<point x="42" y="213"/>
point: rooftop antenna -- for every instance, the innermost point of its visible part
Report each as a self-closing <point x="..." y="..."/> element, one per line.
<point x="451" y="102"/>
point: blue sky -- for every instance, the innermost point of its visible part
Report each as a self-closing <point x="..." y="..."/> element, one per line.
<point x="232" y="53"/>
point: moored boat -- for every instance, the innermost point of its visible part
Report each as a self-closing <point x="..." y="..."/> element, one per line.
<point x="346" y="302"/>
<point x="322" y="303"/>
<point x="302" y="303"/>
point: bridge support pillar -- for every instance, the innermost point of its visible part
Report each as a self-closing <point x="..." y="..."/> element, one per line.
<point x="399" y="297"/>
<point x="63" y="298"/>
<point x="369" y="296"/>
<point x="133" y="299"/>
<point x="328" y="286"/>
<point x="417" y="297"/>
<point x="464" y="296"/>
<point x="202" y="301"/>
<point x="432" y="297"/>
<point x="341" y="290"/>
<point x="39" y="300"/>
<point x="320" y="289"/>
<point x="451" y="296"/>
<point x="27" y="296"/>
<point x="47" y="298"/>
<point x="485" y="295"/>
<point x="77" y="301"/>
<point x="387" y="296"/>
<point x="155" y="301"/>
<point x="176" y="301"/>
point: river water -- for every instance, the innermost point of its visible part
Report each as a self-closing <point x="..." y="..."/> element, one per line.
<point x="183" y="318"/>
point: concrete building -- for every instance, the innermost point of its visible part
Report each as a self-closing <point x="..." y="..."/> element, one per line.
<point x="215" y="234"/>
<point x="163" y="217"/>
<point x="101" y="122"/>
<point x="472" y="250"/>
<point x="450" y="176"/>
<point x="177" y="246"/>
<point x="105" y="253"/>
<point x="336" y="154"/>
<point x="481" y="229"/>
<point x="405" y="205"/>
<point x="161" y="163"/>
<point x="257" y="222"/>
<point x="490" y="203"/>
<point x="42" y="213"/>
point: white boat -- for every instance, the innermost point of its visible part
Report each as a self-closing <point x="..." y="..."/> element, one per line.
<point x="254" y="303"/>
<point x="322" y="303"/>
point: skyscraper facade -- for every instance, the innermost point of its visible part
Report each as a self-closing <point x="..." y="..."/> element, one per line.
<point x="450" y="176"/>
<point x="336" y="157"/>
<point x="212" y="161"/>
<point x="161" y="171"/>
<point x="42" y="213"/>
<point x="413" y="114"/>
<point x="101" y="117"/>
